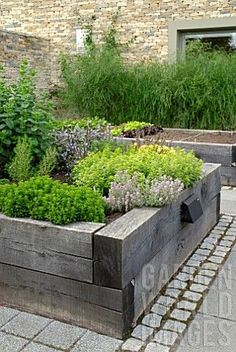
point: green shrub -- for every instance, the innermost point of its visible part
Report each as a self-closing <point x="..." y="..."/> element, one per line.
<point x="20" y="168"/>
<point x="42" y="198"/>
<point x="48" y="162"/>
<point x="23" y="113"/>
<point x="198" y="92"/>
<point x="97" y="170"/>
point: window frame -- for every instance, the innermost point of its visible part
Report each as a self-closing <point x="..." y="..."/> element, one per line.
<point x="178" y="30"/>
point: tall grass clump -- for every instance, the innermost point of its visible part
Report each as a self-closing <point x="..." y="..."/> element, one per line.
<point x="198" y="91"/>
<point x="95" y="83"/>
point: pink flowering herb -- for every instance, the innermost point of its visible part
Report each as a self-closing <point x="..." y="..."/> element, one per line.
<point x="125" y="192"/>
<point x="162" y="191"/>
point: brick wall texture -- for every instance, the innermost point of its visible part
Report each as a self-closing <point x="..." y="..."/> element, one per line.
<point x="143" y="22"/>
<point x="15" y="47"/>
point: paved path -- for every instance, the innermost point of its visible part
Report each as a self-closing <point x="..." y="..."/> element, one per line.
<point x="30" y="333"/>
<point x="172" y="323"/>
<point x="214" y="327"/>
<point x="228" y="201"/>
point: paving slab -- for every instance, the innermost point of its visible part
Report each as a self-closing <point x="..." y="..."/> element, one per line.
<point x="7" y="314"/>
<point x="93" y="342"/>
<point x="60" y="335"/>
<point x="10" y="343"/>
<point x="26" y="325"/>
<point x="221" y="298"/>
<point x="228" y="201"/>
<point x="209" y="334"/>
<point x="36" y="347"/>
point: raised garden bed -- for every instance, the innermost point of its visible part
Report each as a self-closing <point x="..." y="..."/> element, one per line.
<point x="210" y="146"/>
<point x="98" y="276"/>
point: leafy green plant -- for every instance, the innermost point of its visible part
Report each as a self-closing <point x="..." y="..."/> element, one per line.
<point x="98" y="170"/>
<point x="20" y="168"/>
<point x="23" y="112"/>
<point x="135" y="129"/>
<point x="48" y="162"/>
<point x="4" y="181"/>
<point x="42" y="198"/>
<point x="129" y="126"/>
<point x="86" y="122"/>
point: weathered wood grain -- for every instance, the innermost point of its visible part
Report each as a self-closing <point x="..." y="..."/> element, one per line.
<point x="65" y="308"/>
<point x="41" y="246"/>
<point x="24" y="255"/>
<point x="228" y="176"/>
<point x="75" y="239"/>
<point x="49" y="284"/>
<point x="136" y="237"/>
<point x="223" y="154"/>
<point x="157" y="272"/>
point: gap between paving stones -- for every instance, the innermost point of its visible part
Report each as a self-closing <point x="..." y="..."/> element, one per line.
<point x="39" y="343"/>
<point x="181" y="298"/>
<point x="32" y="339"/>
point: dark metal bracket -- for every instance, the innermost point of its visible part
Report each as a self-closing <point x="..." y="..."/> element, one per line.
<point x="191" y="209"/>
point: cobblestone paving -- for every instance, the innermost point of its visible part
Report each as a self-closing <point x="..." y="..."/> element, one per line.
<point x="164" y="326"/>
<point x="179" y="316"/>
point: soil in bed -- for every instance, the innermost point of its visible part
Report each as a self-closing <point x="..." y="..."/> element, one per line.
<point x="219" y="137"/>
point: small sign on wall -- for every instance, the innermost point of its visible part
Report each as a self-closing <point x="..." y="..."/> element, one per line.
<point x="81" y="34"/>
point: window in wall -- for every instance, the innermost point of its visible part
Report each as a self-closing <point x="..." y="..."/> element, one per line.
<point x="80" y="37"/>
<point x="219" y="40"/>
<point x="219" y="33"/>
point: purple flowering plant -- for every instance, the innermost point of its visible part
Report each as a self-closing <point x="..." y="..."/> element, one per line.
<point x="162" y="191"/>
<point x="125" y="192"/>
<point x="73" y="143"/>
<point x="128" y="192"/>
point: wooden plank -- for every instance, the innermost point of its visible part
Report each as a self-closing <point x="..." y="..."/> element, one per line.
<point x="75" y="239"/>
<point x="136" y="237"/>
<point x="155" y="274"/>
<point x="234" y="154"/>
<point x="209" y="152"/>
<point x="24" y="255"/>
<point x="40" y="282"/>
<point x="201" y="131"/>
<point x="65" y="308"/>
<point x="65" y="251"/>
<point x="228" y="176"/>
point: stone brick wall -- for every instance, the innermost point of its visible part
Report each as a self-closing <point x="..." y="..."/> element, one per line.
<point x="15" y="47"/>
<point x="145" y="22"/>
